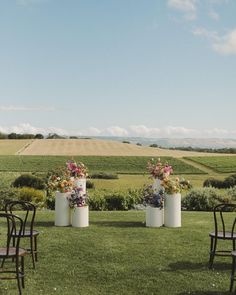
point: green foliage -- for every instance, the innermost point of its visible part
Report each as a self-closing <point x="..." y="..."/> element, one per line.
<point x="29" y="180"/>
<point x="114" y="200"/>
<point x="97" y="201"/>
<point x="228" y="182"/>
<point x="213" y="182"/>
<point x="103" y="175"/>
<point x="29" y="194"/>
<point x="89" y="184"/>
<point x="203" y="199"/>
<point x="153" y="145"/>
<point x="8" y="194"/>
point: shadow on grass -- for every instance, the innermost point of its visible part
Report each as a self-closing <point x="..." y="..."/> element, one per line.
<point x="118" y="223"/>
<point x="187" y="265"/>
<point x="206" y="293"/>
<point x="44" y="224"/>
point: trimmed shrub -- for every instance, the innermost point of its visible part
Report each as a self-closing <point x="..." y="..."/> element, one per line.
<point x="89" y="184"/>
<point x="37" y="197"/>
<point x="8" y="194"/>
<point x="29" y="180"/>
<point x="213" y="182"/>
<point x="103" y="175"/>
<point x="230" y="181"/>
<point x="97" y="201"/>
<point x="203" y="199"/>
<point x="116" y="200"/>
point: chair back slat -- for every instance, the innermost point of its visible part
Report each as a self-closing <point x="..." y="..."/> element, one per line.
<point x="28" y="211"/>
<point x="222" y="221"/>
<point x="12" y="223"/>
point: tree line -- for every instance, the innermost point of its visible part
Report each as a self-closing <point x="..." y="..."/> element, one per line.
<point x="14" y="135"/>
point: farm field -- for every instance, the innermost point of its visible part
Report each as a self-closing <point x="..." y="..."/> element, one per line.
<point x="11" y="147"/>
<point x="120" y="165"/>
<point x="88" y="147"/>
<point x="118" y="255"/>
<point x="220" y="164"/>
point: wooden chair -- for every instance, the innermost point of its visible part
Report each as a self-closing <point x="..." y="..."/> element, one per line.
<point x="224" y="223"/>
<point x="28" y="212"/>
<point x="12" y="224"/>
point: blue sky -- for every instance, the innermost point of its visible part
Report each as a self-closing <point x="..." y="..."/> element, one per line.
<point x="153" y="68"/>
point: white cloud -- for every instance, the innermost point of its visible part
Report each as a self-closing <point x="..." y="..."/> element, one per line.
<point x="171" y="131"/>
<point x="188" y="7"/>
<point x="116" y="131"/>
<point x="143" y="131"/>
<point x="183" y="5"/>
<point x="131" y="131"/>
<point x="202" y="32"/>
<point x="27" y="128"/>
<point x="227" y="44"/>
<point x="213" y="15"/>
<point x="25" y="109"/>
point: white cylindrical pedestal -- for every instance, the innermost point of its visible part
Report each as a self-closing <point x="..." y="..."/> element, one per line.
<point x="172" y="206"/>
<point x="154" y="217"/>
<point x="80" y="216"/>
<point x="62" y="209"/>
<point x="80" y="183"/>
<point x="156" y="185"/>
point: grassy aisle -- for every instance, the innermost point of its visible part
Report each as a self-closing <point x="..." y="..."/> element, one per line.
<point x="117" y="255"/>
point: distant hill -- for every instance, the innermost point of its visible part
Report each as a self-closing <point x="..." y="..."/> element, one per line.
<point x="179" y="142"/>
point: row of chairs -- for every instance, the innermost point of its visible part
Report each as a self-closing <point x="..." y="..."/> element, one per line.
<point x="17" y="227"/>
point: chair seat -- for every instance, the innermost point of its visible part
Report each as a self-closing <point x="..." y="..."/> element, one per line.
<point x="27" y="233"/>
<point x="12" y="252"/>
<point x="220" y="235"/>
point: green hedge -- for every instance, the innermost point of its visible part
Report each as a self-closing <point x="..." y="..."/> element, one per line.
<point x="204" y="199"/>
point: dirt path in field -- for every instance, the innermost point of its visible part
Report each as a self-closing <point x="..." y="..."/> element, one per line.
<point x="200" y="166"/>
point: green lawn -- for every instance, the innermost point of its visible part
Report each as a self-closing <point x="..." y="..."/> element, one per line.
<point x="117" y="254"/>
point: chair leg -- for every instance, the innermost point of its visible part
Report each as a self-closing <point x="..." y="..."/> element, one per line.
<point x="35" y="248"/>
<point x="18" y="276"/>
<point x="232" y="274"/>
<point x="23" y="271"/>
<point x="32" y="250"/>
<point x="212" y="251"/>
<point x="2" y="264"/>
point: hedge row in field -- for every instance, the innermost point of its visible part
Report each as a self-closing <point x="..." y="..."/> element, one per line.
<point x="95" y="164"/>
<point x="221" y="164"/>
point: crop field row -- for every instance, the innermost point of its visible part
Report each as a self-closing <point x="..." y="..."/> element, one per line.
<point x="220" y="164"/>
<point x="111" y="164"/>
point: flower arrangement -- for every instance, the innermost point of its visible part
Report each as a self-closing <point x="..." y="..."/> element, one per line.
<point x="77" y="198"/>
<point x="153" y="198"/>
<point x="159" y="170"/>
<point x="173" y="186"/>
<point x="60" y="180"/>
<point x="162" y="172"/>
<point x="77" y="170"/>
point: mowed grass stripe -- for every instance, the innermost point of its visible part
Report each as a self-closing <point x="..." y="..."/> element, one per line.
<point x="221" y="164"/>
<point x="121" y="165"/>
